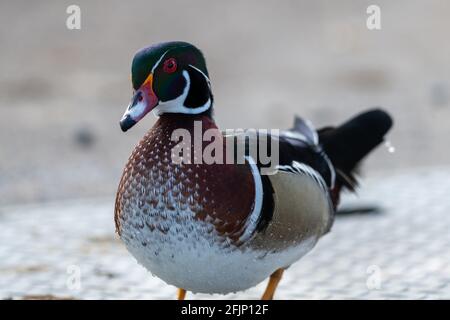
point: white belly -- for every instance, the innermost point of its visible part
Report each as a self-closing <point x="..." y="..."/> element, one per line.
<point x="189" y="253"/>
<point x="198" y="262"/>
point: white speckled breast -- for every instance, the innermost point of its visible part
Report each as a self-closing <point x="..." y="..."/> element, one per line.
<point x="185" y="223"/>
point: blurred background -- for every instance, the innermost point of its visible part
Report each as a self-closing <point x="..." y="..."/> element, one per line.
<point x="62" y="92"/>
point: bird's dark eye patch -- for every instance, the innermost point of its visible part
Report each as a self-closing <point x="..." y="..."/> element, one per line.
<point x="170" y="65"/>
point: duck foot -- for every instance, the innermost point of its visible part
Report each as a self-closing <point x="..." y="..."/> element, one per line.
<point x="181" y="294"/>
<point x="272" y="285"/>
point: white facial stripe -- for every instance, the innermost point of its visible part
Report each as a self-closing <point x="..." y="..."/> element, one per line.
<point x="207" y="79"/>
<point x="159" y="61"/>
<point x="177" y="105"/>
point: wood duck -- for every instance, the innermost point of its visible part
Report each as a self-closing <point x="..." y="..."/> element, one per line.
<point x="225" y="227"/>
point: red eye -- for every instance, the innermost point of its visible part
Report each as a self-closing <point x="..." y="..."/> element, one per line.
<point x="170" y="65"/>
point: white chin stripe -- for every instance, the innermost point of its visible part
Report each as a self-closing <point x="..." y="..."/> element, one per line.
<point x="177" y="105"/>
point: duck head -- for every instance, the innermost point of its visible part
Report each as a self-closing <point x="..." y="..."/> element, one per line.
<point x="169" y="77"/>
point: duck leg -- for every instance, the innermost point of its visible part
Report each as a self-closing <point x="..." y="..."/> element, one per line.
<point x="181" y="294"/>
<point x="272" y="285"/>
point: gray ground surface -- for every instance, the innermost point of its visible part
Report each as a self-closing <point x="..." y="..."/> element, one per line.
<point x="402" y="251"/>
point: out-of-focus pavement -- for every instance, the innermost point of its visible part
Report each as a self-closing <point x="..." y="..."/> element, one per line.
<point x="401" y="253"/>
<point x="62" y="92"/>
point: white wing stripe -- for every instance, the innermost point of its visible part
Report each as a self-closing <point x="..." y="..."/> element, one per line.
<point x="301" y="168"/>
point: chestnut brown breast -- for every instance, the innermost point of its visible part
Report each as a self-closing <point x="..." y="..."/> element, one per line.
<point x="222" y="194"/>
